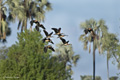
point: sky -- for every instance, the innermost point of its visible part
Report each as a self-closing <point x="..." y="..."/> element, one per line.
<point x="68" y="14"/>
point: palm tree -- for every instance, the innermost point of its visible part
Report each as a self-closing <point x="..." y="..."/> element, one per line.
<point x="65" y="54"/>
<point x="24" y="10"/>
<point x="118" y="54"/>
<point x="99" y="30"/>
<point x="89" y="77"/>
<point x="110" y="44"/>
<point x="4" y="29"/>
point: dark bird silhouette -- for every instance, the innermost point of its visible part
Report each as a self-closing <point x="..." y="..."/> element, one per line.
<point x="90" y="29"/>
<point x="37" y="28"/>
<point x="37" y="24"/>
<point x="34" y="21"/>
<point x="64" y="41"/>
<point x="40" y="25"/>
<point x="47" y="40"/>
<point x="48" y="35"/>
<point x="31" y="23"/>
<point x="86" y="31"/>
<point x="60" y="35"/>
<point x="57" y="31"/>
<point x="48" y="47"/>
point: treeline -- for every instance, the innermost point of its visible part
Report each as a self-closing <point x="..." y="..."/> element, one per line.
<point x="26" y="60"/>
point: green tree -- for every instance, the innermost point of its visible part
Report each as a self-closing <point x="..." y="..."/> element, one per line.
<point x="118" y="54"/>
<point x="66" y="54"/>
<point x="3" y="52"/>
<point x="99" y="30"/>
<point x="26" y="60"/>
<point x="24" y="10"/>
<point x="114" y="78"/>
<point x="89" y="77"/>
<point x="4" y="29"/>
<point x="109" y="45"/>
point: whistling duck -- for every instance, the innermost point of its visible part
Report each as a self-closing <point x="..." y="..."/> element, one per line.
<point x="34" y="21"/>
<point x="64" y="41"/>
<point x="48" y="35"/>
<point x="57" y="31"/>
<point x="86" y="31"/>
<point x="48" y="47"/>
<point x="47" y="40"/>
<point x="90" y="29"/>
<point x="37" y="24"/>
<point x="60" y="35"/>
<point x="40" y="25"/>
<point x="37" y="28"/>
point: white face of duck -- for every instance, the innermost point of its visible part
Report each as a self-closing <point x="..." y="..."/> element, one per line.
<point x="47" y="40"/>
<point x="66" y="44"/>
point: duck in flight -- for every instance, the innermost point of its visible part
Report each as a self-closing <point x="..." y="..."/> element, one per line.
<point x="88" y="30"/>
<point x="64" y="41"/>
<point x="57" y="31"/>
<point x="47" y="40"/>
<point x="37" y="24"/>
<point x="48" y="35"/>
<point x="48" y="47"/>
<point x="61" y="35"/>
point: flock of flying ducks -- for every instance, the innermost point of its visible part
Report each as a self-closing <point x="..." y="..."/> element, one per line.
<point x="49" y="35"/>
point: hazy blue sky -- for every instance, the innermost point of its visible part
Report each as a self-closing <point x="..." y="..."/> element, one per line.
<point x="68" y="14"/>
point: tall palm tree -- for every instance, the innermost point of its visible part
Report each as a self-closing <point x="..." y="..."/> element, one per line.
<point x="110" y="44"/>
<point x="99" y="30"/>
<point x="65" y="54"/>
<point x="4" y="29"/>
<point x="118" y="54"/>
<point x="24" y="10"/>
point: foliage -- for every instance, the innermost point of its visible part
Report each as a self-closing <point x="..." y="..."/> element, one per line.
<point x="3" y="52"/>
<point x="26" y="60"/>
<point x="100" y="30"/>
<point x="4" y="29"/>
<point x="118" y="54"/>
<point x="24" y="10"/>
<point x="89" y="77"/>
<point x="114" y="78"/>
<point x="65" y="54"/>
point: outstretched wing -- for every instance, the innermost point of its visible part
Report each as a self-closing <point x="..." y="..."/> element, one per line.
<point x="51" y="48"/>
<point x="55" y="29"/>
<point x="42" y="26"/>
<point x="43" y="40"/>
<point x="50" y="33"/>
<point x="67" y="42"/>
<point x="63" y="40"/>
<point x="51" y="41"/>
<point x="46" y="33"/>
<point x="37" y="28"/>
<point x="45" y="49"/>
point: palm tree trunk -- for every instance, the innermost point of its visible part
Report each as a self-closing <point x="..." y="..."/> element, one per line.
<point x="0" y="18"/>
<point x="25" y="25"/>
<point x="107" y="66"/>
<point x="94" y="60"/>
